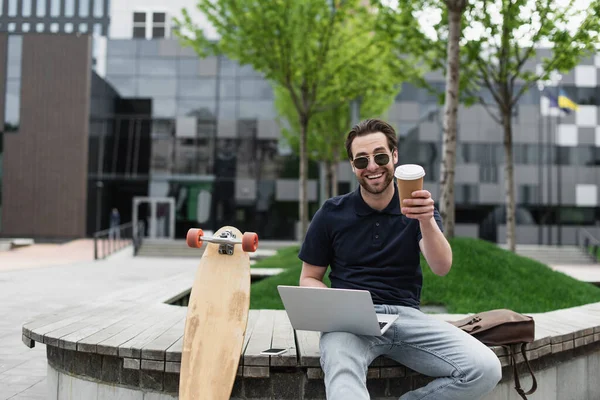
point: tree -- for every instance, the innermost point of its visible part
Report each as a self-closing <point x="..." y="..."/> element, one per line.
<point x="502" y="36"/>
<point x="328" y="129"/>
<point x="304" y="47"/>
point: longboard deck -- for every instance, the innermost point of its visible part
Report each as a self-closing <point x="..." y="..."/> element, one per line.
<point x="215" y="323"/>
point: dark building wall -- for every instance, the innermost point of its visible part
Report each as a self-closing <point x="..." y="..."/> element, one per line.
<point x="45" y="162"/>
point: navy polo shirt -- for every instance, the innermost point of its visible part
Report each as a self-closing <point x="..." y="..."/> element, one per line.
<point x="368" y="249"/>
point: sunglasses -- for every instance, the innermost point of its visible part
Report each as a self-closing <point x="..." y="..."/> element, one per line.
<point x="362" y="162"/>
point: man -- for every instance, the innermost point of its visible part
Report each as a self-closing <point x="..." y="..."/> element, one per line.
<point x="373" y="244"/>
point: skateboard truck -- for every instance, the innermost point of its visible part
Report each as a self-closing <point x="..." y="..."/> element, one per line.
<point x="226" y="240"/>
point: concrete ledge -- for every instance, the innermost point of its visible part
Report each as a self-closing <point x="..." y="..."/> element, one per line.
<point x="73" y="374"/>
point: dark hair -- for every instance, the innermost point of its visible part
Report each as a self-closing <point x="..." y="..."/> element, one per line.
<point x="367" y="127"/>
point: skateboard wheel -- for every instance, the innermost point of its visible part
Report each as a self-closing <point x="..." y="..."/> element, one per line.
<point x="249" y="242"/>
<point x="194" y="237"/>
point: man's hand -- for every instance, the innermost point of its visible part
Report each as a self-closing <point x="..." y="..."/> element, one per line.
<point x="420" y="207"/>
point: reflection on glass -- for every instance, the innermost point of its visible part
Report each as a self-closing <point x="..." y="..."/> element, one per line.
<point x="84" y="8"/>
<point x="26" y="8"/>
<point x="121" y="66"/>
<point x="202" y="108"/>
<point x="158" y="87"/>
<point x="55" y="8"/>
<point x="99" y="8"/>
<point x="158" y="67"/>
<point x="12" y="101"/>
<point x="197" y="88"/>
<point x="40" y="10"/>
<point x="69" y="8"/>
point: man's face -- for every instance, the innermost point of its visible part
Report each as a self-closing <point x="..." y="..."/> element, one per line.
<point x="374" y="178"/>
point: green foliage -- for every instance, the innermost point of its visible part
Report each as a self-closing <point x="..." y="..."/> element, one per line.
<point x="483" y="277"/>
<point x="498" y="39"/>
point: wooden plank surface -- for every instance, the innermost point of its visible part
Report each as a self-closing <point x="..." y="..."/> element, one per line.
<point x="260" y="340"/>
<point x="308" y="348"/>
<point x="283" y="337"/>
<point x="44" y="333"/>
<point x="133" y="347"/>
<point x="95" y="323"/>
<point x="89" y="343"/>
<point x="110" y="346"/>
<point x="252" y="318"/>
<point x="157" y="348"/>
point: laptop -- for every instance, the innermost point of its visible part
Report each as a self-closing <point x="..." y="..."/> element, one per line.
<point x="333" y="310"/>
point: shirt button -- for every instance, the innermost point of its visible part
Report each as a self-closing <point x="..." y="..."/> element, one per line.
<point x="376" y="223"/>
<point x="376" y="236"/>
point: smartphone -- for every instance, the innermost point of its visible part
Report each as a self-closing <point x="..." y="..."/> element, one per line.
<point x="273" y="352"/>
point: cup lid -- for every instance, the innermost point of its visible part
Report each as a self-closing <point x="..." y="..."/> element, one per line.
<point x="409" y="172"/>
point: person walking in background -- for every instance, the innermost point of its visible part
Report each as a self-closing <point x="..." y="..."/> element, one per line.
<point x="115" y="221"/>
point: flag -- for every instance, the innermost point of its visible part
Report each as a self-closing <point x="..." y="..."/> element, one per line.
<point x="555" y="101"/>
<point x="566" y="103"/>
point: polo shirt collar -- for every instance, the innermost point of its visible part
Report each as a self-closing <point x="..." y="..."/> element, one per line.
<point x="363" y="209"/>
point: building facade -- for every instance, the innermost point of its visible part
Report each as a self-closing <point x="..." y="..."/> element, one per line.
<point x="163" y="124"/>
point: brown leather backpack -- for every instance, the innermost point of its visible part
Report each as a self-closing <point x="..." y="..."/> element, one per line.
<point x="503" y="328"/>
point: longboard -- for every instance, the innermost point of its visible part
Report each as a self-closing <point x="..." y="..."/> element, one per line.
<point x="217" y="314"/>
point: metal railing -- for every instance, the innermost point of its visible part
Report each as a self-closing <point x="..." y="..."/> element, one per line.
<point x="588" y="243"/>
<point x="111" y="240"/>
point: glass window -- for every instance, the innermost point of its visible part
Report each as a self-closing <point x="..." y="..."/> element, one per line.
<point x="139" y="25"/>
<point x="488" y="174"/>
<point x="157" y="67"/>
<point x="149" y="48"/>
<point x="408" y="93"/>
<point x="163" y="108"/>
<point x="202" y="108"/>
<point x="188" y="66"/>
<point x="121" y="66"/>
<point x="227" y="88"/>
<point x="99" y="8"/>
<point x="197" y="88"/>
<point x="55" y="8"/>
<point x="228" y="110"/>
<point x="84" y="8"/>
<point x="159" y="25"/>
<point x="83" y="28"/>
<point x="157" y="87"/>
<point x="248" y="71"/>
<point x="588" y="96"/>
<point x="228" y="67"/>
<point x="259" y="109"/>
<point x="120" y="47"/>
<point x="69" y="8"/>
<point x="255" y="89"/>
<point x="25" y="27"/>
<point x="12" y="8"/>
<point x="564" y="155"/>
<point x="26" y="8"/>
<point x="125" y="86"/>
<point x="158" y="32"/>
<point x="12" y="118"/>
<point x="68" y="27"/>
<point x="39" y="27"/>
<point x="139" y="32"/>
<point x="527" y="194"/>
<point x="41" y="8"/>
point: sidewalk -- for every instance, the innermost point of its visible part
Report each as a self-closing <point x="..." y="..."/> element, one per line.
<point x="27" y="290"/>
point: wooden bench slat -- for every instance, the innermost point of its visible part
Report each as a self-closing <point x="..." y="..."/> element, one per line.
<point x="89" y="343"/>
<point x="308" y="348"/>
<point x="283" y="337"/>
<point x="157" y="348"/>
<point x="132" y="348"/>
<point x="111" y="345"/>
<point x="94" y="324"/>
<point x="64" y="320"/>
<point x="260" y="340"/>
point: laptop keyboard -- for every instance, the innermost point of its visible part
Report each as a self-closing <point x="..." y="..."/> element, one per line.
<point x="382" y="324"/>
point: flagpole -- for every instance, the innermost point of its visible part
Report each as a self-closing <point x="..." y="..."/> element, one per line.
<point x="549" y="170"/>
<point x="558" y="178"/>
<point x="540" y="173"/>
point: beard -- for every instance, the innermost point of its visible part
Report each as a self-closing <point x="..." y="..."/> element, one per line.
<point x="378" y="187"/>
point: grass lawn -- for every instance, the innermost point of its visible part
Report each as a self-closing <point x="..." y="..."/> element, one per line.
<point x="483" y="277"/>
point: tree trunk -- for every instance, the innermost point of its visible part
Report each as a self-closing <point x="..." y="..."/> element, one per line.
<point x="303" y="201"/>
<point x="509" y="181"/>
<point x="334" y="176"/>
<point x="327" y="179"/>
<point x="448" y="163"/>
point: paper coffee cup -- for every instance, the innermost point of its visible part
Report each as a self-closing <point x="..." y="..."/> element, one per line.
<point x="409" y="178"/>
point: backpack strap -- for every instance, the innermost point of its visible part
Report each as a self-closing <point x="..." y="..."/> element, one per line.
<point x="513" y="362"/>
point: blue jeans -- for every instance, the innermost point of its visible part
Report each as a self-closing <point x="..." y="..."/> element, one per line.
<point x="464" y="367"/>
